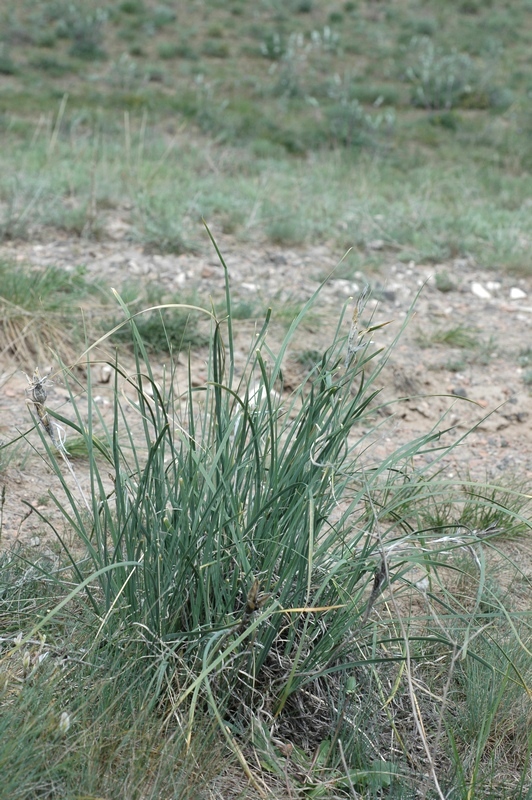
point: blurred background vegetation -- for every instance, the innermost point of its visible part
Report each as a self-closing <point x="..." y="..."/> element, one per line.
<point x="409" y="123"/>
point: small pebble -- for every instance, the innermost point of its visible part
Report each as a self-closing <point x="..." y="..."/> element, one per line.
<point x="479" y="291"/>
<point x="105" y="374"/>
<point x="459" y="391"/>
<point x="516" y="294"/>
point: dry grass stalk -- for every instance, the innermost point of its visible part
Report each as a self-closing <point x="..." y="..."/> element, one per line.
<point x="26" y="335"/>
<point x="354" y="341"/>
<point x="38" y="396"/>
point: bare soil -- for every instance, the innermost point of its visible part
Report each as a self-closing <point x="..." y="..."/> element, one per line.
<point x="481" y="388"/>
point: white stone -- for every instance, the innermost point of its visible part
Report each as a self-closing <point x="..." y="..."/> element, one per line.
<point x="479" y="291"/>
<point x="134" y="267"/>
<point x="345" y="287"/>
<point x="516" y="294"/>
<point x="105" y="374"/>
<point x="493" y="286"/>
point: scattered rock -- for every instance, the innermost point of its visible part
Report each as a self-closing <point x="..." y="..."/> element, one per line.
<point x="384" y="295"/>
<point x="105" y="374"/>
<point x="516" y="293"/>
<point x="117" y="228"/>
<point x="198" y="379"/>
<point x="137" y="269"/>
<point x="480" y="291"/>
<point x="459" y="391"/>
<point x="345" y="287"/>
<point x="277" y="258"/>
<point x="519" y="416"/>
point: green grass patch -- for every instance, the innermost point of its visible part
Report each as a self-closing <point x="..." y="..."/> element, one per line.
<point x="317" y="68"/>
<point x="67" y="176"/>
<point x="294" y="101"/>
<point x="527" y="377"/>
<point x="458" y="336"/>
<point x="444" y="282"/>
<point x="171" y="326"/>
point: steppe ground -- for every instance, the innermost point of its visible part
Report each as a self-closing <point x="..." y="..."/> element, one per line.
<point x="332" y="144"/>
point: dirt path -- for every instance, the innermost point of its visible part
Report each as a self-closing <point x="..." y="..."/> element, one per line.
<point x="482" y="384"/>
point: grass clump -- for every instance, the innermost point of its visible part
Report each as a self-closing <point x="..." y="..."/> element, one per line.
<point x="484" y="508"/>
<point x="524" y="358"/>
<point x="132" y="7"/>
<point x="38" y="311"/>
<point x="51" y="66"/>
<point x="308" y="359"/>
<point x="444" y="283"/>
<point x="58" y="740"/>
<point x="492" y="509"/>
<point x="248" y="573"/>
<point x="289" y="231"/>
<point x="166" y="328"/>
<point x="439" y="80"/>
<point x="7" y="65"/>
<point x="86" y="32"/>
<point x="458" y="336"/>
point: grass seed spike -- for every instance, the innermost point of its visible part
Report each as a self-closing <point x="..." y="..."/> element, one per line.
<point x="38" y="394"/>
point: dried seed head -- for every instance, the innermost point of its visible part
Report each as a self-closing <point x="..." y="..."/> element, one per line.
<point x="354" y="342"/>
<point x="38" y="394"/>
<point x="38" y="386"/>
<point x="254" y="602"/>
<point x="252" y="598"/>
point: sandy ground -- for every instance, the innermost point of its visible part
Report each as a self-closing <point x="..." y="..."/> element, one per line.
<point x="481" y="388"/>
